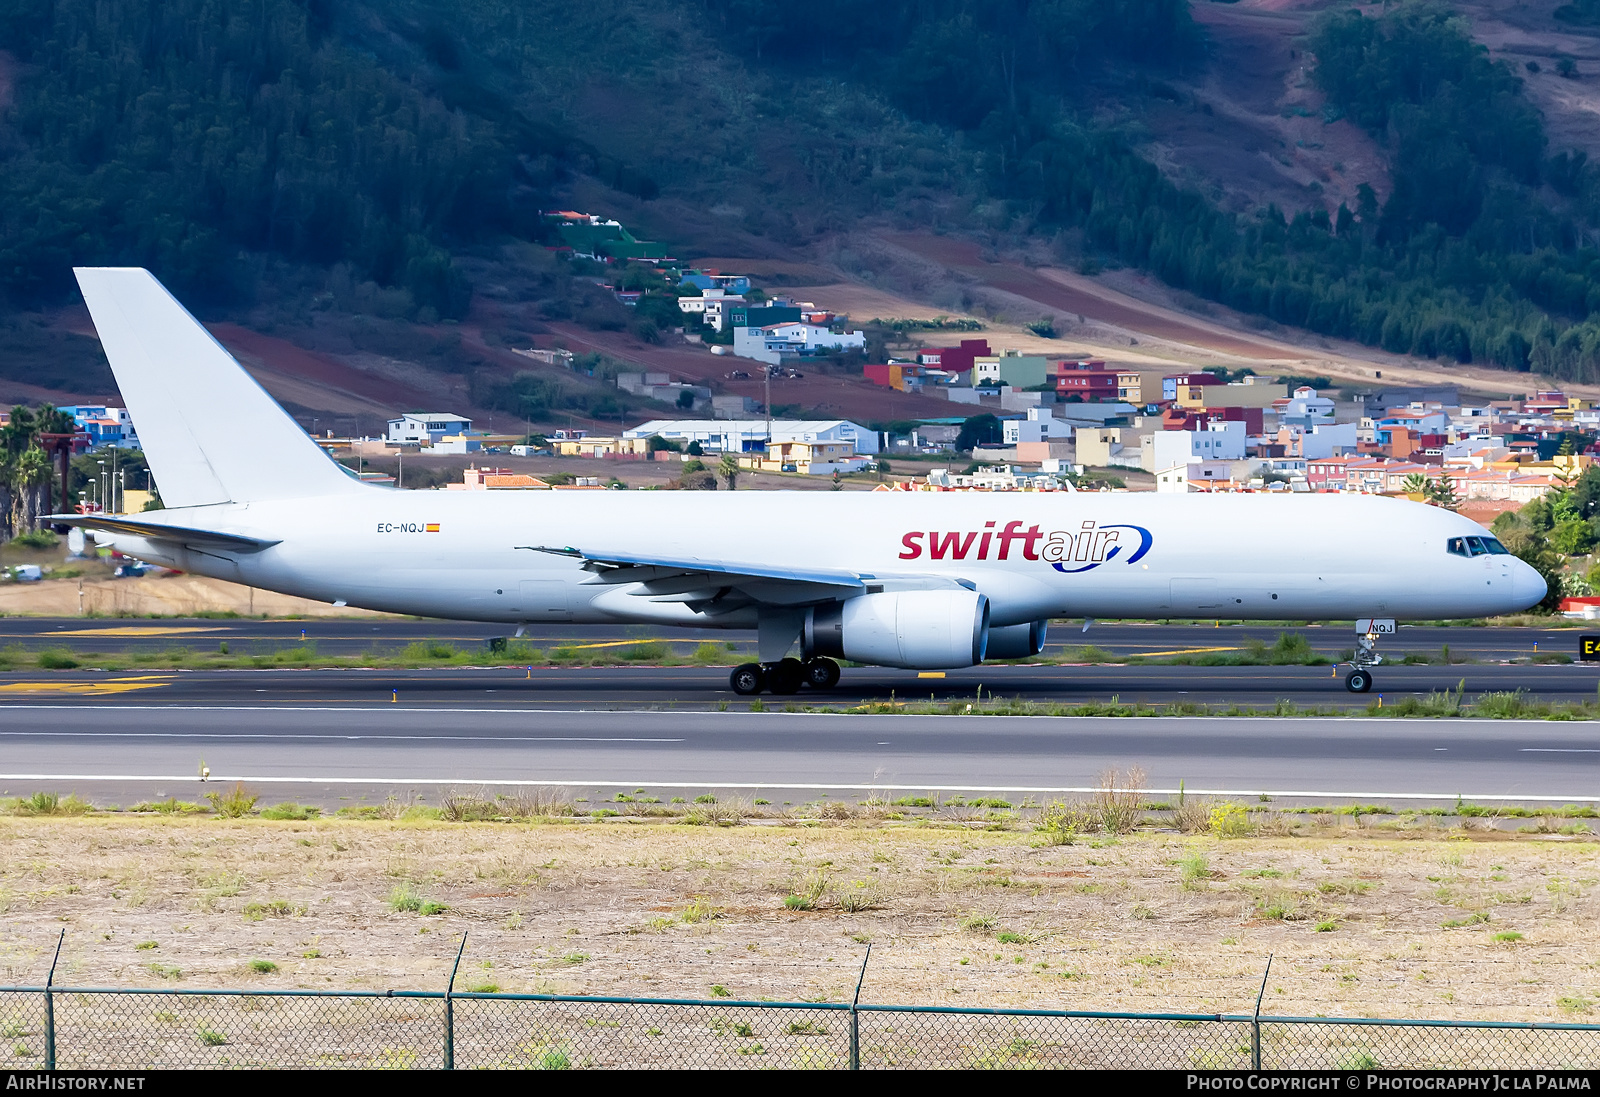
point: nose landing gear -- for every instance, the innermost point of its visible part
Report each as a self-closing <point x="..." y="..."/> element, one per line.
<point x="786" y="676"/>
<point x="1366" y="656"/>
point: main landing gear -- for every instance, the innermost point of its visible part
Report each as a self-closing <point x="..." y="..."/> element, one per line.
<point x="784" y="677"/>
<point x="1366" y="656"/>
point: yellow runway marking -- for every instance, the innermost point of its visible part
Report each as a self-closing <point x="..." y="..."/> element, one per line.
<point x="617" y="643"/>
<point x="1184" y="651"/>
<point x="133" y="631"/>
<point x="92" y="689"/>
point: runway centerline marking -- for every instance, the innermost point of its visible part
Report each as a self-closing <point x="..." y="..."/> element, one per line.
<point x="1559" y="750"/>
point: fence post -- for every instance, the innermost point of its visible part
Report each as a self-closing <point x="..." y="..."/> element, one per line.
<point x="1255" y="1022"/>
<point x="50" y="1007"/>
<point x="855" y="1016"/>
<point x="450" y="1011"/>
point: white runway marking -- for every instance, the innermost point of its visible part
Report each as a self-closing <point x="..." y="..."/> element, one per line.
<point x="274" y="736"/>
<point x="314" y="779"/>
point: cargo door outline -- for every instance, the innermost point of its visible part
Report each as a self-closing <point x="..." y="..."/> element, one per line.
<point x="1195" y="593"/>
<point x="544" y="600"/>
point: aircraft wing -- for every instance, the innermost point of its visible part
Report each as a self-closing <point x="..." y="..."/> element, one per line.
<point x="159" y="531"/>
<point x="619" y="567"/>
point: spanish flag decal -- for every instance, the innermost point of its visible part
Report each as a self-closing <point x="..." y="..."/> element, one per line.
<point x="431" y="527"/>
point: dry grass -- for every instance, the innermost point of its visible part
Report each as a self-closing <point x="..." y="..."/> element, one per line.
<point x="1357" y="918"/>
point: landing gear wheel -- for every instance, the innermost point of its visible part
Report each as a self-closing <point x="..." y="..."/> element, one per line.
<point x="747" y="679"/>
<point x="786" y="676"/>
<point x="1358" y="681"/>
<point x="822" y="674"/>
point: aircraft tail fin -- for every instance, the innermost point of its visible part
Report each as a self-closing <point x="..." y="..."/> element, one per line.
<point x="210" y="433"/>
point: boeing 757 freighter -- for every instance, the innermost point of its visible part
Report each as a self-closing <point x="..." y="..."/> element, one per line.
<point x="917" y="580"/>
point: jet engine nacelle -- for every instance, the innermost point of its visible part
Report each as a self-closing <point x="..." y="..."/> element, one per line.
<point x="1016" y="641"/>
<point x="914" y="628"/>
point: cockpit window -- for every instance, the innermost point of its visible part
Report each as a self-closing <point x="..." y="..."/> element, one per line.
<point x="1475" y="546"/>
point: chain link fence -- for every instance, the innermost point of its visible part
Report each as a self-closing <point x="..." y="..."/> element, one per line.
<point x="89" y="1028"/>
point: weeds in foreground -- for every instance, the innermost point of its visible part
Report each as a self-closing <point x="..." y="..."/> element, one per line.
<point x="233" y="804"/>
<point x="406" y="898"/>
<point x="1117" y="802"/>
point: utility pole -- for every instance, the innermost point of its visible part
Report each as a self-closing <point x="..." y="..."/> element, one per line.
<point x="766" y="384"/>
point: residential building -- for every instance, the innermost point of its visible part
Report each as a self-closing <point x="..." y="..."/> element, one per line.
<point x="1038" y="425"/>
<point x="589" y="236"/>
<point x="1181" y="418"/>
<point x="776" y="344"/>
<point x="658" y="386"/>
<point x="486" y="479"/>
<point x="1220" y="441"/>
<point x="750" y="435"/>
<point x="997" y="478"/>
<point x="1130" y="386"/>
<point x="104" y="424"/>
<point x="712" y="306"/>
<point x="1314" y="443"/>
<point x="811" y="458"/>
<point x="742" y="314"/>
<point x="1022" y="371"/>
<point x="1304" y="407"/>
<point x="1088" y="380"/>
<point x="1182" y="388"/>
<point x="426" y="427"/>
<point x="703" y="280"/>
<point x="1108" y="447"/>
<point x="955" y="360"/>
<point x="1379" y="401"/>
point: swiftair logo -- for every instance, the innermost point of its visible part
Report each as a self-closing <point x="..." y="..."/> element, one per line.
<point x="1091" y="546"/>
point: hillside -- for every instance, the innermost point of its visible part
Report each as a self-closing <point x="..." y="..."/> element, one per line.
<point x="352" y="192"/>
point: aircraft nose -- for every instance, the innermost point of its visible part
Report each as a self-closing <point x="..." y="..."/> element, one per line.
<point x="1527" y="586"/>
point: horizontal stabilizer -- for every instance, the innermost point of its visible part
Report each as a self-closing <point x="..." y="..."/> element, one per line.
<point x="158" y="531"/>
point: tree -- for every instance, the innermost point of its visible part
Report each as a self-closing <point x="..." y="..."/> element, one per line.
<point x="694" y="450"/>
<point x="1569" y="534"/>
<point x="728" y="467"/>
<point x="979" y="430"/>
<point x="1415" y="484"/>
<point x="1442" y="493"/>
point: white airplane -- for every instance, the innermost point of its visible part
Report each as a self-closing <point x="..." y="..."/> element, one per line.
<point x="911" y="580"/>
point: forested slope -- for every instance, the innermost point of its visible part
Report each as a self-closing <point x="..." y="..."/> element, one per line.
<point x="394" y="138"/>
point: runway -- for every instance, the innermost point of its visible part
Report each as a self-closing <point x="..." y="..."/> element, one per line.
<point x="336" y="754"/>
<point x="355" y="635"/>
<point x="706" y="688"/>
<point x="339" y="736"/>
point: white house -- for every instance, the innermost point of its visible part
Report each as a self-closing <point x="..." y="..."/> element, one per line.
<point x="1224" y="440"/>
<point x="746" y="435"/>
<point x="712" y="305"/>
<point x="771" y="343"/>
<point x="1041" y="425"/>
<point x="427" y="427"/>
<point x="1304" y="407"/>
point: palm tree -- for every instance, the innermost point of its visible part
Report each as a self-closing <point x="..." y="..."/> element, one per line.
<point x="32" y="479"/>
<point x="728" y="469"/>
<point x="1415" y="484"/>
